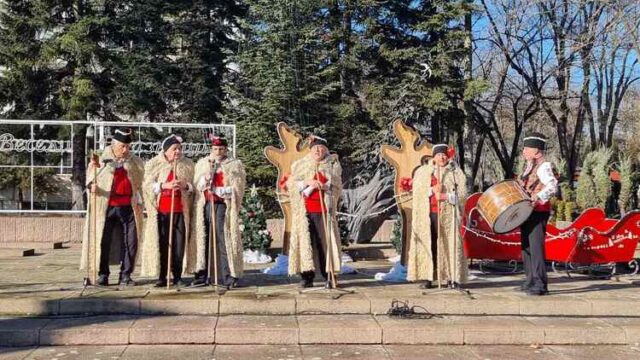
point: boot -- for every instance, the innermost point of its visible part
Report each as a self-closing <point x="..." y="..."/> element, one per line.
<point x="426" y="285"/>
<point x="232" y="283"/>
<point x="178" y="282"/>
<point x="125" y="279"/>
<point x="103" y="280"/>
<point x="200" y="279"/>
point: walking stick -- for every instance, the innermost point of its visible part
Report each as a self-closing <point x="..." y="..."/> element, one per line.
<point x="212" y="233"/>
<point x="94" y="218"/>
<point x="173" y="195"/>
<point x="327" y="237"/>
<point x="438" y="178"/>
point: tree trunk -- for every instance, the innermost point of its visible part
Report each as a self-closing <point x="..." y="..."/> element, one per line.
<point x="78" y="172"/>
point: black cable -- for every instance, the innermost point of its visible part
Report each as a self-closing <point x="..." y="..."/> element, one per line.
<point x="401" y="309"/>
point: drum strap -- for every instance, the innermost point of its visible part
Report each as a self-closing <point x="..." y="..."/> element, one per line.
<point x="530" y="180"/>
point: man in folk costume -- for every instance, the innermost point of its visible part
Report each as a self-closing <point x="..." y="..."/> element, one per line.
<point x="315" y="186"/>
<point x="159" y="183"/>
<point x="540" y="182"/>
<point x="118" y="207"/>
<point x="435" y="247"/>
<point x="220" y="181"/>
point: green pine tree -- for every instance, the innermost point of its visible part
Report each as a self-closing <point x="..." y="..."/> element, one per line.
<point x="255" y="235"/>
<point x="343" y="70"/>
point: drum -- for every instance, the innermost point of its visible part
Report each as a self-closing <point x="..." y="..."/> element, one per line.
<point x="505" y="206"/>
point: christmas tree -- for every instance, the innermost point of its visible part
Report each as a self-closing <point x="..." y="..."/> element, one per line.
<point x="255" y="235"/>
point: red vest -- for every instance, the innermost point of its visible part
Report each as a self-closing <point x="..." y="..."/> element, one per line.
<point x="312" y="203"/>
<point x="120" y="189"/>
<point x="164" y="206"/>
<point x="218" y="181"/>
<point x="433" y="202"/>
<point x="532" y="185"/>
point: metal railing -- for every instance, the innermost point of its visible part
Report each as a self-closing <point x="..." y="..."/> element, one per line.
<point x="97" y="136"/>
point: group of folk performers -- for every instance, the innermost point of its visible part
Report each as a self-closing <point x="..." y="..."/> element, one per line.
<point x="192" y="201"/>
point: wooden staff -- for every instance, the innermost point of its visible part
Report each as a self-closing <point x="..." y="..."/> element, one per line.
<point x="213" y="242"/>
<point x="173" y="195"/>
<point x="327" y="235"/>
<point x="439" y="180"/>
<point x="94" y="217"/>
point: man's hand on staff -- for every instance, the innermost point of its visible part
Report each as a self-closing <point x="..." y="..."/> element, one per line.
<point x="93" y="188"/>
<point x="437" y="192"/>
<point x="174" y="185"/>
<point x="313" y="183"/>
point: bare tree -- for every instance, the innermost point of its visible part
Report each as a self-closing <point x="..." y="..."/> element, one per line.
<point x="557" y="48"/>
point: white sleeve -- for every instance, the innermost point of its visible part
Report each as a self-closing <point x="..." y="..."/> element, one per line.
<point x="548" y="179"/>
<point x="202" y="183"/>
<point x="301" y="186"/>
<point x="451" y="198"/>
<point x="156" y="187"/>
<point x="137" y="198"/>
<point x="307" y="191"/>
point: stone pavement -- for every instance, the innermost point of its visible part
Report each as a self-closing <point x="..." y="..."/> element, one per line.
<point x="51" y="284"/>
<point x="42" y="303"/>
<point x="316" y="329"/>
<point x="320" y="352"/>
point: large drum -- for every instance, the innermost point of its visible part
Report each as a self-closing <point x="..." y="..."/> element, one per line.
<point x="505" y="206"/>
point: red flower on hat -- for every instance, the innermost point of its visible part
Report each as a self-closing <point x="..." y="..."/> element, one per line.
<point x="217" y="140"/>
<point x="451" y="152"/>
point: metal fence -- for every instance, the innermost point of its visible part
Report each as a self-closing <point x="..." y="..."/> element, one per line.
<point x="37" y="156"/>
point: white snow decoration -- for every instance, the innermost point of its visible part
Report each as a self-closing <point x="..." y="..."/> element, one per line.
<point x="346" y="269"/>
<point x="281" y="267"/>
<point x="398" y="273"/>
<point x="256" y="257"/>
<point x="346" y="258"/>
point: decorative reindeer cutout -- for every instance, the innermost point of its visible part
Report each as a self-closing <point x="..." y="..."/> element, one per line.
<point x="405" y="161"/>
<point x="282" y="159"/>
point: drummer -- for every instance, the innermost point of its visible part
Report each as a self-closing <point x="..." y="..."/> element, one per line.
<point x="435" y="247"/>
<point x="540" y="182"/>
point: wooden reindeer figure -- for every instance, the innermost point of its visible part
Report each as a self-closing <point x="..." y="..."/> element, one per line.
<point x="291" y="150"/>
<point x="405" y="161"/>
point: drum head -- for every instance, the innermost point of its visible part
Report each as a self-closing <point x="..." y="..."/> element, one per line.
<point x="512" y="217"/>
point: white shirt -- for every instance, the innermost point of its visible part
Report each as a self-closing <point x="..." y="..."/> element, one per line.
<point x="548" y="179"/>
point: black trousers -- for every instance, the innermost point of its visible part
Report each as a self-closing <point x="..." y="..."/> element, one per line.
<point x="533" y="233"/>
<point x="318" y="246"/>
<point x="434" y="242"/>
<point x="119" y="218"/>
<point x="177" y="249"/>
<point x="222" y="258"/>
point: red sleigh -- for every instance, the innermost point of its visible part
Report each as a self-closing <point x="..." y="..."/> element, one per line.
<point x="591" y="241"/>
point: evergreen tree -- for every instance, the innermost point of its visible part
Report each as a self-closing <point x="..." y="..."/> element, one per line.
<point x="344" y="70"/>
<point x="255" y="235"/>
<point x="27" y="82"/>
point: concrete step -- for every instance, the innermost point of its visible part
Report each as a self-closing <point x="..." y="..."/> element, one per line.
<point x="317" y="329"/>
<point x="31" y="245"/>
<point x="317" y="352"/>
<point x="19" y="252"/>
<point x="372" y="302"/>
<point x="371" y="251"/>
